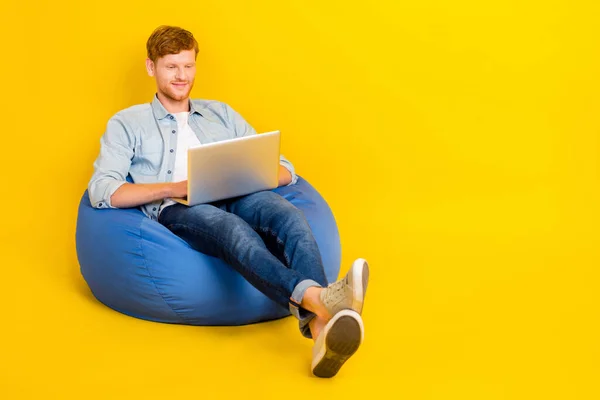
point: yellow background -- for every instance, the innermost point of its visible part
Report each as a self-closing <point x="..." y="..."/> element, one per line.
<point x="456" y="142"/>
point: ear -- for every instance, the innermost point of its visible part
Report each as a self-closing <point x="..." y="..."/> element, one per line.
<point x="150" y="67"/>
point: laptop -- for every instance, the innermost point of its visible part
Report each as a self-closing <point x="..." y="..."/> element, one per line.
<point x="231" y="168"/>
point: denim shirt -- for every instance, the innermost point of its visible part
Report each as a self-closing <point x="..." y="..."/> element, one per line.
<point x="141" y="141"/>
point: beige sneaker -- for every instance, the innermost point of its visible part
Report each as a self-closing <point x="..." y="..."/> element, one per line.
<point x="336" y="343"/>
<point x="349" y="292"/>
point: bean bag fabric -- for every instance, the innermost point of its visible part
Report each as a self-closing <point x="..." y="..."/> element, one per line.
<point x="136" y="266"/>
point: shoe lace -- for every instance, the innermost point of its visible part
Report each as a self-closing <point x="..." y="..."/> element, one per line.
<point x="335" y="292"/>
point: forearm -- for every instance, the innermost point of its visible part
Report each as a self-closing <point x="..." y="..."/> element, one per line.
<point x="285" y="177"/>
<point x="134" y="195"/>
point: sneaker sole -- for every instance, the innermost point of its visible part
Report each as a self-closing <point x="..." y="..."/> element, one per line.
<point x="360" y="274"/>
<point x="344" y="336"/>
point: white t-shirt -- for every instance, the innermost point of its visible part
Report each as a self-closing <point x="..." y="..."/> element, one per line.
<point x="186" y="139"/>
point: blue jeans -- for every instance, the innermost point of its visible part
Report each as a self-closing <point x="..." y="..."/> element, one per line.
<point x="263" y="237"/>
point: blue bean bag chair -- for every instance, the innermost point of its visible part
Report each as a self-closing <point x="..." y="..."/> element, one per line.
<point x="138" y="267"/>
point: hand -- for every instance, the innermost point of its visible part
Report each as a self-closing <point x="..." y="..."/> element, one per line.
<point x="285" y="177"/>
<point x="179" y="189"/>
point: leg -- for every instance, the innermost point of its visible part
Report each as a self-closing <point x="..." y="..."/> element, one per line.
<point x="221" y="234"/>
<point x="287" y="234"/>
<point x="338" y="330"/>
<point x="337" y="327"/>
<point x="284" y="230"/>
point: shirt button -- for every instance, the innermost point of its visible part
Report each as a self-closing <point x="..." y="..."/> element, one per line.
<point x="172" y="131"/>
<point x="154" y="209"/>
<point x="171" y="117"/>
<point x="171" y="150"/>
<point x="169" y="171"/>
<point x="99" y="204"/>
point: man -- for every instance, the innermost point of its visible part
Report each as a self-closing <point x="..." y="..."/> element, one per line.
<point x="149" y="143"/>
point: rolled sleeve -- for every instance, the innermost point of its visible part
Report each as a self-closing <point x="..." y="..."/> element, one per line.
<point x="112" y="164"/>
<point x="101" y="191"/>
<point x="290" y="167"/>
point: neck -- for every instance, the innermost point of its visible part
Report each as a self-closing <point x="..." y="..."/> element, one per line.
<point x="174" y="106"/>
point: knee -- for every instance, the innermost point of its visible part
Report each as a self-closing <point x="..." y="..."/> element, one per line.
<point x="266" y="197"/>
<point x="272" y="201"/>
<point x="273" y="207"/>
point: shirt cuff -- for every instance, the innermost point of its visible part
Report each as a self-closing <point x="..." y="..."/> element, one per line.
<point x="287" y="165"/>
<point x="109" y="190"/>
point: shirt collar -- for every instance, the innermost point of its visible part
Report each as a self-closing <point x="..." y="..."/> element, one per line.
<point x="161" y="112"/>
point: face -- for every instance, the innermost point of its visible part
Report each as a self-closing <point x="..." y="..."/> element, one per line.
<point x="174" y="74"/>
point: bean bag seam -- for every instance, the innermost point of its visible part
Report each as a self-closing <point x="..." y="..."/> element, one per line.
<point x="266" y="283"/>
<point x="152" y="277"/>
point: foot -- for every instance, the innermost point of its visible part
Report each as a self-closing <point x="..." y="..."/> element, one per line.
<point x="336" y="343"/>
<point x="349" y="292"/>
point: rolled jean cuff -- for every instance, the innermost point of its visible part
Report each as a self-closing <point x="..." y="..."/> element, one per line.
<point x="298" y="295"/>
<point x="304" y="316"/>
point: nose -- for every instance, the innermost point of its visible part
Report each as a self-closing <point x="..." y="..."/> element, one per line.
<point x="180" y="74"/>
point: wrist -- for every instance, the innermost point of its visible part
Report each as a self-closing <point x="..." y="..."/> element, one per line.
<point x="167" y="190"/>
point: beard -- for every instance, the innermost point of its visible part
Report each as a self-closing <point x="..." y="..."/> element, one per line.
<point x="174" y="94"/>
